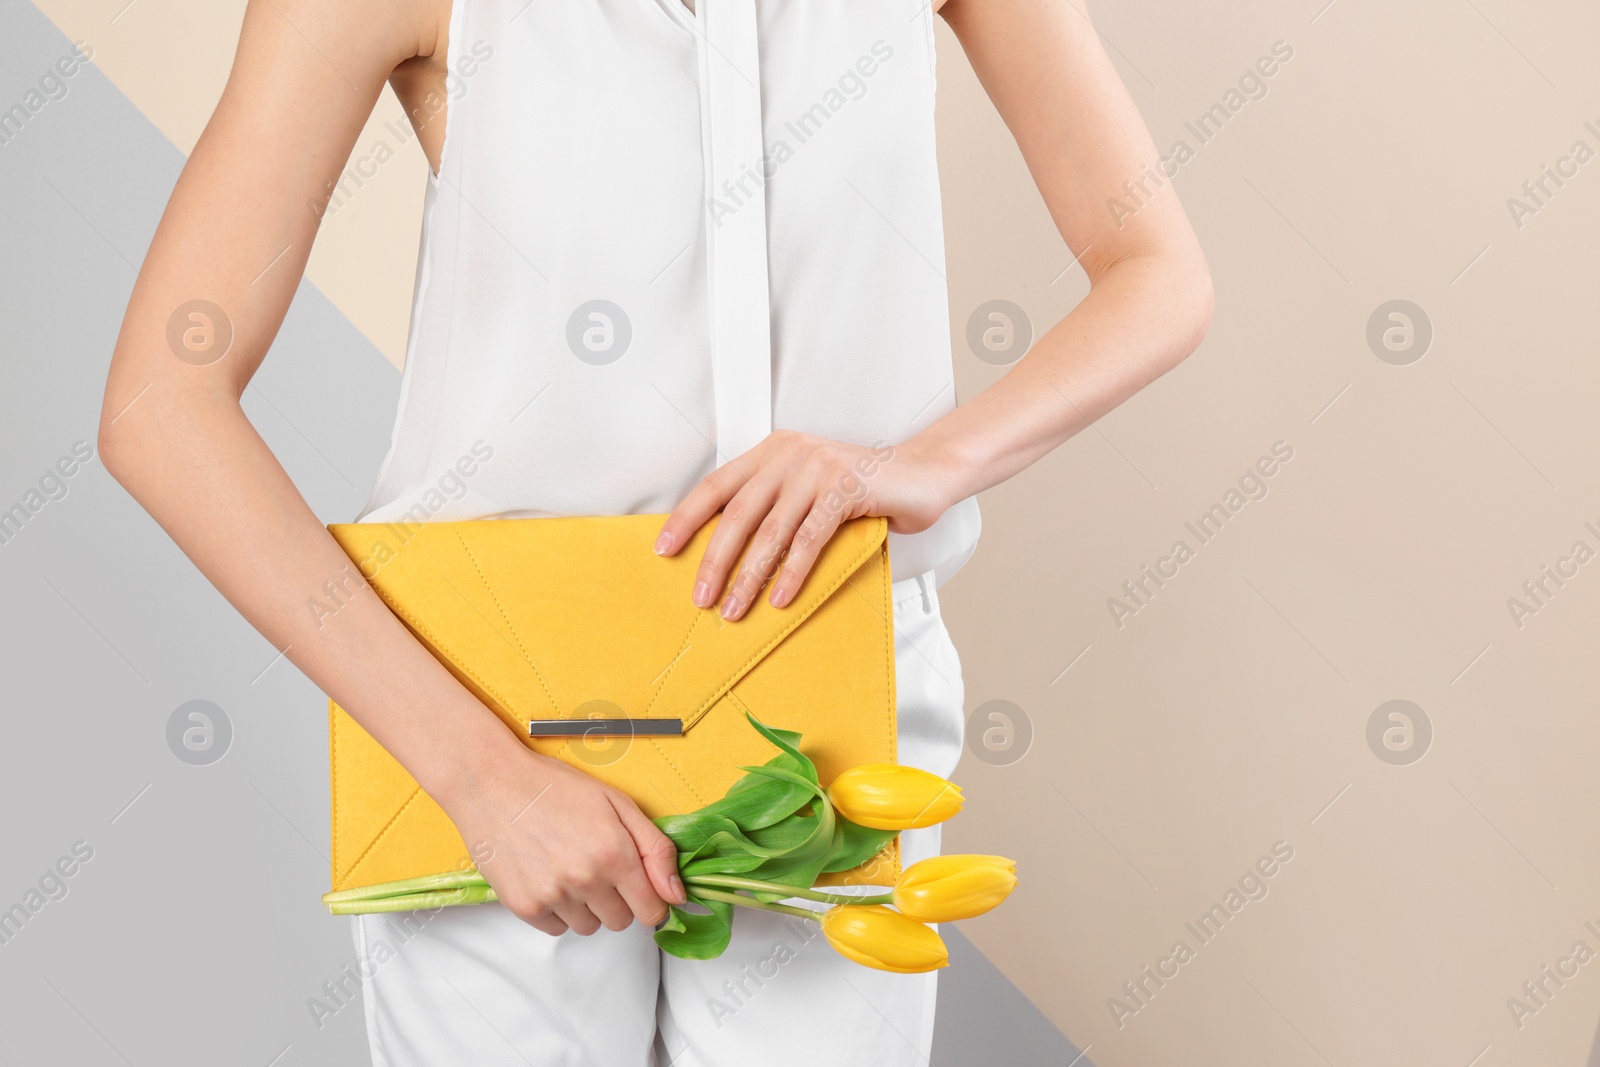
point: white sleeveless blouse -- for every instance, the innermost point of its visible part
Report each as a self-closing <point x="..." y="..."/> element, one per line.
<point x="657" y="234"/>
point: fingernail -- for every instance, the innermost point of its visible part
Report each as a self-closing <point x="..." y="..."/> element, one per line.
<point x="731" y="606"/>
<point x="677" y="888"/>
<point x="781" y="595"/>
<point x="702" y="594"/>
<point x="663" y="543"/>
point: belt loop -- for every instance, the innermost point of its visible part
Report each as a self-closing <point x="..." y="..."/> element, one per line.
<point x="923" y="585"/>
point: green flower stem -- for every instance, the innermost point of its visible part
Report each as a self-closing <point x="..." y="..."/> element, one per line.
<point x="438" y="898"/>
<point x="751" y="902"/>
<point x="730" y="881"/>
<point x="470" y="887"/>
<point x="425" y="884"/>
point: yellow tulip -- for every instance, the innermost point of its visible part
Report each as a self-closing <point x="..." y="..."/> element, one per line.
<point x="887" y="796"/>
<point x="875" y="936"/>
<point x="946" y="888"/>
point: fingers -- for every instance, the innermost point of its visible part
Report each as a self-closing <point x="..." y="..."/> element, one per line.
<point x="660" y="863"/>
<point x="608" y="906"/>
<point x="818" y="528"/>
<point x="548" y="923"/>
<point x="704" y="501"/>
<point x="644" y="904"/>
<point x="588" y="858"/>
<point x="583" y="911"/>
<point x="740" y="518"/>
<point x="610" y="860"/>
<point x="638" y="885"/>
<point x="532" y="911"/>
<point x="578" y="917"/>
<point x="766" y="553"/>
<point x="772" y="500"/>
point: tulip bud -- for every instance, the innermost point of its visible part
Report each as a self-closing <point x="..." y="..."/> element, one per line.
<point x="888" y="796"/>
<point x="875" y="936"/>
<point x="946" y="888"/>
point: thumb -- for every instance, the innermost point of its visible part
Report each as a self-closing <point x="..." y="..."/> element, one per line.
<point x="656" y="850"/>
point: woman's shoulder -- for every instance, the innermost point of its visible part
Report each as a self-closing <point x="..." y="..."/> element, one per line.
<point x="380" y="31"/>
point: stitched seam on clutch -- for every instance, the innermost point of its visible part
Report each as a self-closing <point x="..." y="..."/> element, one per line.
<point x="412" y="621"/>
<point x="893" y="700"/>
<point x="509" y="625"/>
<point x="888" y="648"/>
<point x="849" y="571"/>
<point x="892" y="694"/>
<point x="693" y="622"/>
<point x="679" y="772"/>
<point x="737" y="701"/>
<point x="893" y="847"/>
<point x="382" y="833"/>
<point x="333" y="789"/>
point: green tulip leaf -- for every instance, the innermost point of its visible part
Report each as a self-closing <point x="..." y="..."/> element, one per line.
<point x="800" y="864"/>
<point x="729" y="855"/>
<point x="692" y="936"/>
<point x="788" y="741"/>
<point x="785" y="775"/>
<point x="699" y="835"/>
<point x="854" y="844"/>
<point x="759" y="800"/>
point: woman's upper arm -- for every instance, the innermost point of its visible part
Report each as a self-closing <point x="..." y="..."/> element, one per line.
<point x="1081" y="134"/>
<point x="232" y="245"/>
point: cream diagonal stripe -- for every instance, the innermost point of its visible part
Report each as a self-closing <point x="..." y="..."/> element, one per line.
<point x="172" y="60"/>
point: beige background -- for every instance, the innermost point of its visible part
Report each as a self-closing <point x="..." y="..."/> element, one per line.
<point x="1231" y="712"/>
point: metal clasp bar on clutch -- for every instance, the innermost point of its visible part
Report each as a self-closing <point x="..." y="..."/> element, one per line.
<point x="605" y="728"/>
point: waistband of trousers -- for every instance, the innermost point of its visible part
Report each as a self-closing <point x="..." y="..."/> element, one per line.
<point x="918" y="587"/>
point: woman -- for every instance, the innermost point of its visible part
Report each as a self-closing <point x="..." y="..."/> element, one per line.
<point x="673" y="259"/>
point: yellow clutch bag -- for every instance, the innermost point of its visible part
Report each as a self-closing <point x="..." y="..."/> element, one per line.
<point x="585" y="644"/>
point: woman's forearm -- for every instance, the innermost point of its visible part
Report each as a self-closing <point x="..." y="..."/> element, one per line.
<point x="232" y="246"/>
<point x="1149" y="304"/>
<point x="195" y="463"/>
<point x="1142" y="316"/>
<point x="584" y="857"/>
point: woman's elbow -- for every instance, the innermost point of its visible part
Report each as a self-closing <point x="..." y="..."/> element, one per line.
<point x="1187" y="297"/>
<point x="117" y="449"/>
<point x="1200" y="303"/>
<point x="130" y="434"/>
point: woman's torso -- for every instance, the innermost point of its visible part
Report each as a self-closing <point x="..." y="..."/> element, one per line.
<point x="559" y="357"/>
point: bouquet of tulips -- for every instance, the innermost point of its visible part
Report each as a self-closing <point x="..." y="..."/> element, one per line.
<point x="769" y="839"/>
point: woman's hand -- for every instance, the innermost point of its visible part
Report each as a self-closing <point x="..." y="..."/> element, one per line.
<point x="785" y="498"/>
<point x="562" y="850"/>
<point x="1148" y="307"/>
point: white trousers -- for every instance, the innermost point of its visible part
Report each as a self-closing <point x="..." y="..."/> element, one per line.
<point x="476" y="987"/>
